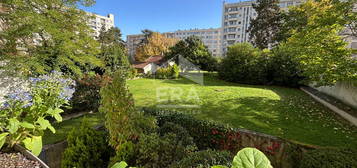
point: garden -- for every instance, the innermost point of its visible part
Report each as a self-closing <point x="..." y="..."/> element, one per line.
<point x="76" y="101"/>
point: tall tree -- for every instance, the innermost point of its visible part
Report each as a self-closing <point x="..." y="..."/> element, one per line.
<point x="113" y="52"/>
<point x="156" y="44"/>
<point x="45" y="35"/>
<point x="263" y="28"/>
<point x="194" y="50"/>
<point x="319" y="46"/>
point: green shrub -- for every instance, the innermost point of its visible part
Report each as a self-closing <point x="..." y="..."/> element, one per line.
<point x="203" y="159"/>
<point x="283" y="69"/>
<point x="125" y="152"/>
<point x="155" y="151"/>
<point x="86" y="148"/>
<point x="205" y="134"/>
<point x="180" y="132"/>
<point x="87" y="97"/>
<point x="244" y="64"/>
<point x="170" y="72"/>
<point x="329" y="158"/>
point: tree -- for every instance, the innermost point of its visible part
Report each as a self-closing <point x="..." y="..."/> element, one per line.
<point x="194" y="50"/>
<point x="262" y="29"/>
<point x="113" y="52"/>
<point x="156" y="44"/>
<point x="45" y="35"/>
<point x="319" y="47"/>
<point x="244" y="64"/>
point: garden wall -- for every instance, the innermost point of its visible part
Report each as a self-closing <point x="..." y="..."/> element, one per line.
<point x="344" y="91"/>
<point x="52" y="154"/>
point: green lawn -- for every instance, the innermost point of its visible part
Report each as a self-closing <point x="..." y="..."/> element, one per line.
<point x="283" y="112"/>
<point x="63" y="128"/>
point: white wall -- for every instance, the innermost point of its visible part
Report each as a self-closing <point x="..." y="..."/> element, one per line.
<point x="344" y="91"/>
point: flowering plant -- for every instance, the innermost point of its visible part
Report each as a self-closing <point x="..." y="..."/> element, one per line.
<point x="24" y="115"/>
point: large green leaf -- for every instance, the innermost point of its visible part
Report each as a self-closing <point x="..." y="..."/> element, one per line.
<point x="27" y="125"/>
<point x="3" y="138"/>
<point x="251" y="158"/>
<point x="122" y="164"/>
<point x="13" y="125"/>
<point x="56" y="113"/>
<point x="34" y="144"/>
<point x="44" y="124"/>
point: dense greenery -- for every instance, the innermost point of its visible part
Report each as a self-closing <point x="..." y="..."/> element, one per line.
<point x="25" y="114"/>
<point x="194" y="51"/>
<point x="329" y="158"/>
<point x="264" y="28"/>
<point x="205" y="158"/>
<point x="316" y="43"/>
<point x="45" y="35"/>
<point x="249" y="65"/>
<point x="87" y="148"/>
<point x="113" y="52"/>
<point x="170" y="72"/>
<point x="86" y="97"/>
<point x="244" y="64"/>
<point x="284" y="112"/>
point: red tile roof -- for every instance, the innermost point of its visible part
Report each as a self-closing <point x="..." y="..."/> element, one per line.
<point x="153" y="59"/>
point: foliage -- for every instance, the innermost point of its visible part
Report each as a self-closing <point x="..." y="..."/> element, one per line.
<point x="45" y="35"/>
<point x="251" y="158"/>
<point x="156" y="44"/>
<point x="205" y="134"/>
<point x="318" y="47"/>
<point x="264" y="27"/>
<point x="122" y="120"/>
<point x="203" y="159"/>
<point x="24" y="115"/>
<point x="161" y="151"/>
<point x="113" y="52"/>
<point x="126" y="152"/>
<point x="87" y="96"/>
<point x="86" y="148"/>
<point x="329" y="158"/>
<point x="194" y="50"/>
<point x="244" y="64"/>
<point x="282" y="68"/>
<point x="170" y="72"/>
<point x="121" y="164"/>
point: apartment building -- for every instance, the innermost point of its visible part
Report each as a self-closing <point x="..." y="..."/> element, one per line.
<point x="212" y="38"/>
<point x="236" y="20"/>
<point x="96" y="22"/>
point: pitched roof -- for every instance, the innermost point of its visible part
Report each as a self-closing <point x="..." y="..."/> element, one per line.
<point x="153" y="59"/>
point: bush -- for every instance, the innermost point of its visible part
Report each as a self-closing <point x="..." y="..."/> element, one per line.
<point x="248" y="65"/>
<point x="282" y="69"/>
<point x="203" y="159"/>
<point x="205" y="134"/>
<point x="244" y="64"/>
<point x="171" y="72"/>
<point x="154" y="151"/>
<point x="329" y="158"/>
<point x="87" y="97"/>
<point x="86" y="148"/>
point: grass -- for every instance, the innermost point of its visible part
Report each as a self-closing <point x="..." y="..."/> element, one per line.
<point x="284" y="112"/>
<point x="63" y="128"/>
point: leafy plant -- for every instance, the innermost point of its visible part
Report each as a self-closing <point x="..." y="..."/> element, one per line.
<point x="249" y="158"/>
<point x="170" y="72"/>
<point x="25" y="114"/>
<point x="87" y="148"/>
<point x="203" y="159"/>
<point x="329" y="158"/>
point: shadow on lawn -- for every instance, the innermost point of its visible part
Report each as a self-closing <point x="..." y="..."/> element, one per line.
<point x="252" y="112"/>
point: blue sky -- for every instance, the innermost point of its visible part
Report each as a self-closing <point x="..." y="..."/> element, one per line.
<point x="132" y="16"/>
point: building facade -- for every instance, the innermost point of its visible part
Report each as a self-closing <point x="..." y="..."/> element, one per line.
<point x="96" y="22"/>
<point x="236" y="20"/>
<point x="212" y="38"/>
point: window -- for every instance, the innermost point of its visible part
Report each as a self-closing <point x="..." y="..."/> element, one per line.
<point x="231" y="36"/>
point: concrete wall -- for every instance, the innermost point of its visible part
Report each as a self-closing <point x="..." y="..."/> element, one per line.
<point x="52" y="154"/>
<point x="344" y="91"/>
